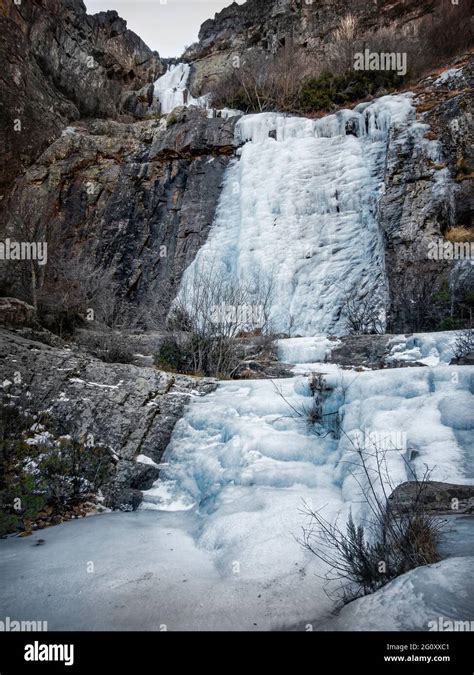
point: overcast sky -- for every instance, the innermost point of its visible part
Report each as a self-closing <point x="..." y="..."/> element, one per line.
<point x="165" y="25"/>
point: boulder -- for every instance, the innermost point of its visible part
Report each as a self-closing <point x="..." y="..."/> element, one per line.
<point x="434" y="497"/>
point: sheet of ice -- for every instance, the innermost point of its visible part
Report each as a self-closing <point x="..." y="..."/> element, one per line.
<point x="225" y="113"/>
<point x="305" y="350"/>
<point x="300" y="207"/>
<point x="431" y="349"/>
<point x="412" y="415"/>
<point x="143" y="459"/>
<point x="243" y="464"/>
<point x="172" y="91"/>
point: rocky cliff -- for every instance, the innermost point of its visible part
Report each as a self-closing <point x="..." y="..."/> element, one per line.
<point x="134" y="199"/>
<point x="134" y="194"/>
<point x="58" y="65"/>
<point x="426" y="192"/>
<point x="268" y="25"/>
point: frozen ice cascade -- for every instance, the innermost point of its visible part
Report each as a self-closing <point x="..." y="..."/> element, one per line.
<point x="241" y="465"/>
<point x="171" y="89"/>
<point x="299" y="206"/>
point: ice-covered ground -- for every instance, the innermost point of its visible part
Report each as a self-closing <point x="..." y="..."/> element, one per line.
<point x="431" y="349"/>
<point x="421" y="600"/>
<point x="215" y="543"/>
<point x="300" y="206"/>
<point x="243" y="444"/>
<point x="305" y="350"/>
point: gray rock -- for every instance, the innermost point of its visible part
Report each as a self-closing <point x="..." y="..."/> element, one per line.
<point x="268" y="25"/>
<point x="136" y="201"/>
<point x="15" y="313"/>
<point x="367" y="351"/>
<point x="436" y="498"/>
<point x="415" y="211"/>
<point x="128" y="409"/>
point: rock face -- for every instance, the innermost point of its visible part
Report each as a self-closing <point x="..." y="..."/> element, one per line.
<point x="270" y="23"/>
<point x="135" y="199"/>
<point x="59" y="64"/>
<point x="425" y="194"/>
<point x="130" y="410"/>
<point x="362" y="351"/>
<point x="267" y="25"/>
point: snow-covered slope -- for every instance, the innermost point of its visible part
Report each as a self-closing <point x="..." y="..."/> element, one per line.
<point x="431" y="349"/>
<point x="300" y="207"/>
<point x="421" y="600"/>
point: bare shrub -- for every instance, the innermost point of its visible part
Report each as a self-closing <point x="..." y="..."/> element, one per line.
<point x="340" y="52"/>
<point x="207" y="318"/>
<point x="265" y="82"/>
<point x="464" y="344"/>
<point x="394" y="538"/>
<point x="318" y="421"/>
<point x="362" y="558"/>
<point x="361" y="315"/>
<point x="424" y="301"/>
<point x="109" y="346"/>
<point x="448" y="31"/>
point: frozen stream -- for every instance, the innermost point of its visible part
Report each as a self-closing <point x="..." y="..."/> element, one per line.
<point x="214" y="545"/>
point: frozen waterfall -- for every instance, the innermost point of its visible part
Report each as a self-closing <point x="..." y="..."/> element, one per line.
<point x="299" y="207"/>
<point x="171" y="89"/>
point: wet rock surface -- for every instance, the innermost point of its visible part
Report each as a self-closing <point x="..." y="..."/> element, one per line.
<point x="424" y="196"/>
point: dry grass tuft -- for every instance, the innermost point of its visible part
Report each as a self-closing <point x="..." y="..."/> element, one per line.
<point x="460" y="233"/>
